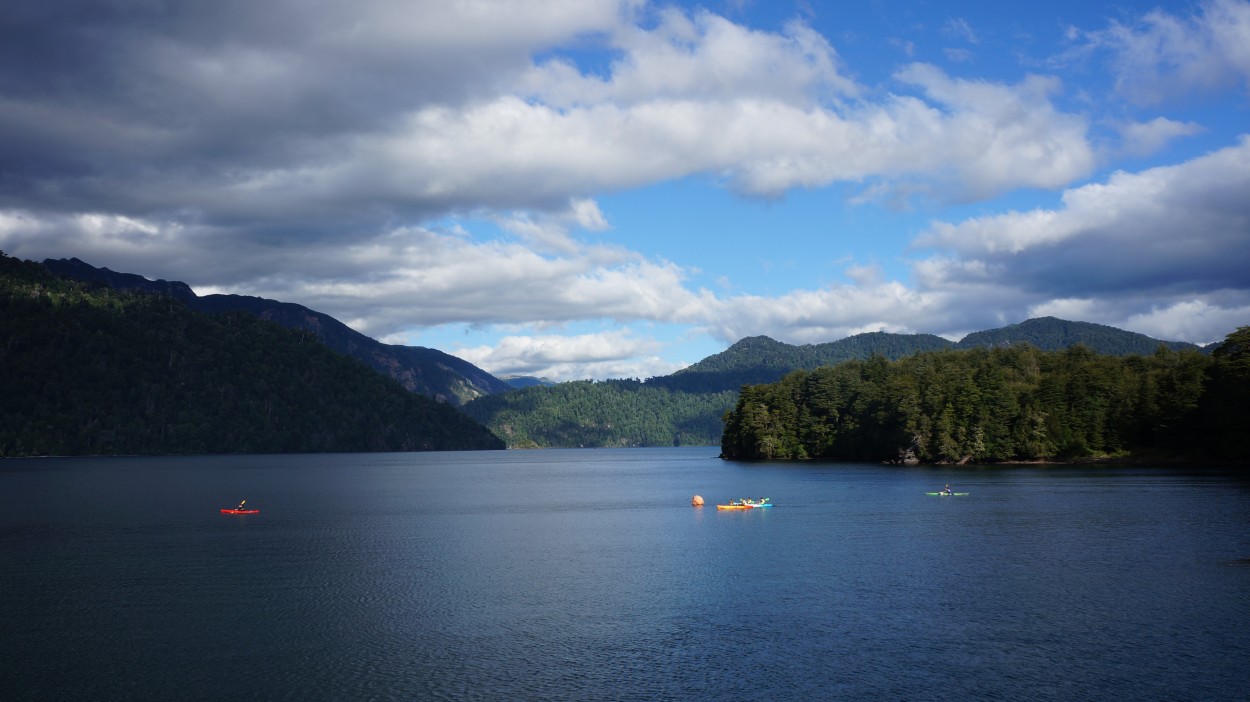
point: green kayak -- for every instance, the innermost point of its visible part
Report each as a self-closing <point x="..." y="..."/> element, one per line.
<point x="947" y="494"/>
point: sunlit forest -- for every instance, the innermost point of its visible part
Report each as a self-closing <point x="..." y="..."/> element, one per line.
<point x="1003" y="404"/>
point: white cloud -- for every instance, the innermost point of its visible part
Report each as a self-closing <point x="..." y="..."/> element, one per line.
<point x="815" y="316"/>
<point x="368" y="115"/>
<point x="326" y="157"/>
<point x="612" y="354"/>
<point x="1195" y="320"/>
<point x="1163" y="56"/>
<point x="703" y="57"/>
<point x="960" y="29"/>
<point x="1143" y="138"/>
<point x="1164" y="239"/>
<point x="998" y="137"/>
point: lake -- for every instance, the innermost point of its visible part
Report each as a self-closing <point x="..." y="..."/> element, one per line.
<point x="587" y="575"/>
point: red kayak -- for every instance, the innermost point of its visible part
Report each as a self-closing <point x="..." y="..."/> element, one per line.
<point x="240" y="509"/>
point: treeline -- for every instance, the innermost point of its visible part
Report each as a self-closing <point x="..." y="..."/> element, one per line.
<point x="1002" y="404"/>
<point x="88" y="370"/>
<point x="609" y="413"/>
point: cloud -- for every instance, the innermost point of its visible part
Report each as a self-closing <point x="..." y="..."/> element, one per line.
<point x="1143" y="138"/>
<point x="1166" y="238"/>
<point x="997" y="137"/>
<point x="960" y="29"/>
<point x="332" y="156"/>
<point x="700" y="56"/>
<point x="816" y="316"/>
<point x="274" y="121"/>
<point x="1163" y="57"/>
<point x="612" y="354"/>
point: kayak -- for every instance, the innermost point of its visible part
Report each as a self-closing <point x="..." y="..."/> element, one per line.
<point x="947" y="494"/>
<point x="240" y="511"/>
<point x="745" y="505"/>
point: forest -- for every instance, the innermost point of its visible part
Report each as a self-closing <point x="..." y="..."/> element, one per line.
<point x="89" y="370"/>
<point x="608" y="414"/>
<point x="1015" y="403"/>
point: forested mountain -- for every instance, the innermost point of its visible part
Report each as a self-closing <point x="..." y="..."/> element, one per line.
<point x="759" y="359"/>
<point x="526" y="381"/>
<point x="1051" y="334"/>
<point x="683" y="408"/>
<point x="1008" y="403"/>
<point x="609" y="413"/>
<point x="429" y="372"/>
<point x="594" y="413"/>
<point x="87" y="369"/>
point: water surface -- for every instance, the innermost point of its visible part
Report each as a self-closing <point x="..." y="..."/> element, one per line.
<point x="570" y="575"/>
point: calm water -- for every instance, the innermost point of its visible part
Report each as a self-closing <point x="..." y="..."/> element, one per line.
<point x="586" y="575"/>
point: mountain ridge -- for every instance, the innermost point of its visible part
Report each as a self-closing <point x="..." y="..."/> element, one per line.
<point x="553" y="415"/>
<point x="422" y="370"/>
<point x="91" y="370"/>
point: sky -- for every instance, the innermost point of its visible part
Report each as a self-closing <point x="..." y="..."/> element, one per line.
<point x="619" y="188"/>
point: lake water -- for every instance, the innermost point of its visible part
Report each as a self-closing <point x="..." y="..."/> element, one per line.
<point x="587" y="575"/>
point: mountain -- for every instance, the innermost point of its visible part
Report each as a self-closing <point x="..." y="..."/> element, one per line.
<point x="88" y="369"/>
<point x="429" y="372"/>
<point x="759" y="359"/>
<point x="1009" y="403"/>
<point x="526" y="381"/>
<point x="1051" y="334"/>
<point x="686" y="407"/>
<point x="603" y="414"/>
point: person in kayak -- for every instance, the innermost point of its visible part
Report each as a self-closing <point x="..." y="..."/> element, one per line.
<point x="947" y="490"/>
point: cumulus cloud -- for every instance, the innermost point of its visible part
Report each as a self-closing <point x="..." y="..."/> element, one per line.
<point x="612" y="354"/>
<point x="328" y="156"/>
<point x="1142" y="138"/>
<point x="1167" y="238"/>
<point x="276" y="119"/>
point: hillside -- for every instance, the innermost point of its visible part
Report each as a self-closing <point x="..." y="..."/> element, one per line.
<point x="759" y="359"/>
<point x="87" y="369"/>
<point x="1013" y="403"/>
<point x="698" y="396"/>
<point x="603" y="414"/>
<point x="685" y="407"/>
<point x="1051" y="334"/>
<point x="429" y="372"/>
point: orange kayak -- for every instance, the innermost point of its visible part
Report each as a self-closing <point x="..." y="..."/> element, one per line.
<point x="240" y="511"/>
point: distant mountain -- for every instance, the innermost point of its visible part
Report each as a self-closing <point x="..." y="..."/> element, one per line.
<point x="603" y="414"/>
<point x="526" y="381"/>
<point x="429" y="372"/>
<point x="685" y="407"/>
<point x="759" y="359"/>
<point x="91" y="370"/>
<point x="1051" y="334"/>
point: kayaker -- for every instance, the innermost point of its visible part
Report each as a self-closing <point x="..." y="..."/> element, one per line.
<point x="947" y="491"/>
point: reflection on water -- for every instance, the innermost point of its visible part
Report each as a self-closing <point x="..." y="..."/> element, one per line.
<point x="588" y="575"/>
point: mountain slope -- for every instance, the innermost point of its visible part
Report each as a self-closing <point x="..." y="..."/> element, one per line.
<point x="88" y="369"/>
<point x="1051" y="334"/>
<point x="681" y="406"/>
<point x="429" y="372"/>
<point x="759" y="359"/>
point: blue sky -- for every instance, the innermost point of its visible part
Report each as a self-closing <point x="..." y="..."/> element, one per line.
<point x="619" y="188"/>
